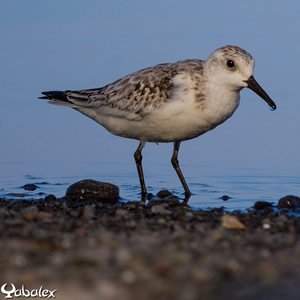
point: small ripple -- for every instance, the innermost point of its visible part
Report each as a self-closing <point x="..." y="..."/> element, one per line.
<point x="48" y="183"/>
<point x="200" y="184"/>
<point x="17" y="195"/>
<point x="209" y="191"/>
<point x="31" y="177"/>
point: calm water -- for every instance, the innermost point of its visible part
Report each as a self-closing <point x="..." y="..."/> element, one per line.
<point x="207" y="184"/>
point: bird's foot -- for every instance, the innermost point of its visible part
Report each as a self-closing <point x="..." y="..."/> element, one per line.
<point x="146" y="197"/>
<point x="187" y="196"/>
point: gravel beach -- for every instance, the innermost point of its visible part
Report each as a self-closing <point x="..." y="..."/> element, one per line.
<point x="88" y="249"/>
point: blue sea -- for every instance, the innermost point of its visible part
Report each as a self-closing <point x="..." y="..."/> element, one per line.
<point x="207" y="184"/>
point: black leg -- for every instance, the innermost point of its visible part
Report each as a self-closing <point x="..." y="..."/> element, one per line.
<point x="138" y="161"/>
<point x="175" y="164"/>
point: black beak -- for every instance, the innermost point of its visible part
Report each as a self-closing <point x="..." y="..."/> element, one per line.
<point x="255" y="87"/>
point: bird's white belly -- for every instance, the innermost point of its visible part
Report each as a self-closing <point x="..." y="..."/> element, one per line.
<point x="153" y="129"/>
<point x="166" y="125"/>
<point x="171" y="129"/>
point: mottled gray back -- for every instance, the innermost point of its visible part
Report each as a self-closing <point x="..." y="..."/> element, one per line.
<point x="137" y="93"/>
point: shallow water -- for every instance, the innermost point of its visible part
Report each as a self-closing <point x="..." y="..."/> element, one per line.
<point x="207" y="184"/>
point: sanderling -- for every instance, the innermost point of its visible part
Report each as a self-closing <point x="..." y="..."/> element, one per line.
<point x="170" y="102"/>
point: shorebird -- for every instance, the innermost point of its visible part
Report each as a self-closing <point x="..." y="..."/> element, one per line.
<point x="170" y="102"/>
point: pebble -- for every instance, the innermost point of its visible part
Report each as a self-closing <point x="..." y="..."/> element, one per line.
<point x="129" y="252"/>
<point x="45" y="217"/>
<point x="128" y="276"/>
<point x="30" y="213"/>
<point x="232" y="222"/>
<point x="262" y="205"/>
<point x="121" y="212"/>
<point x="265" y="222"/>
<point x="133" y="205"/>
<point x="163" y="194"/>
<point x="266" y="226"/>
<point x="131" y="224"/>
<point x="88" y="212"/>
<point x="50" y="198"/>
<point x="123" y="256"/>
<point x="189" y="216"/>
<point x="172" y="199"/>
<point x="289" y="201"/>
<point x="225" y="197"/>
<point x="169" y="200"/>
<point x="162" y="268"/>
<point x="160" y="209"/>
<point x="93" y="190"/>
<point x="282" y="223"/>
<point x="30" y="187"/>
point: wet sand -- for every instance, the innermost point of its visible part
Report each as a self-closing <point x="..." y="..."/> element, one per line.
<point x="91" y="250"/>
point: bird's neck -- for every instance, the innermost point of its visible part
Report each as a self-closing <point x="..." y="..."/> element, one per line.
<point x="221" y="102"/>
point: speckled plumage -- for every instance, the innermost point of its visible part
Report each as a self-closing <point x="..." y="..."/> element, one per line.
<point x="169" y="102"/>
<point x="137" y="94"/>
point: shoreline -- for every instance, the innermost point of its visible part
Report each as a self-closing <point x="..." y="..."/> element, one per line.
<point x="163" y="250"/>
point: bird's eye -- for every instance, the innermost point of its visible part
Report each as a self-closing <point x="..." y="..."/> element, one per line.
<point x="230" y="64"/>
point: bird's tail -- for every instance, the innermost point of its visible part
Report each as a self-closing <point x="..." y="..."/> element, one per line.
<point x="58" y="98"/>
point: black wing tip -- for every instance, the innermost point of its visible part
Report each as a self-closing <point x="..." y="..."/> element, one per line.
<point x="51" y="95"/>
<point x="46" y="95"/>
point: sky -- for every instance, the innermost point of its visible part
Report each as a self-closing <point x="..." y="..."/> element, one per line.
<point x="58" y="45"/>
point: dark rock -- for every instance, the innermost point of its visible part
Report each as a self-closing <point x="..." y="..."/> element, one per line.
<point x="50" y="198"/>
<point x="29" y="187"/>
<point x="225" y="197"/>
<point x="262" y="205"/>
<point x="290" y="202"/>
<point x="93" y="190"/>
<point x="163" y="194"/>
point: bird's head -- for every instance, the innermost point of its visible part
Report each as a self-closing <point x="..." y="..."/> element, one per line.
<point x="233" y="67"/>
